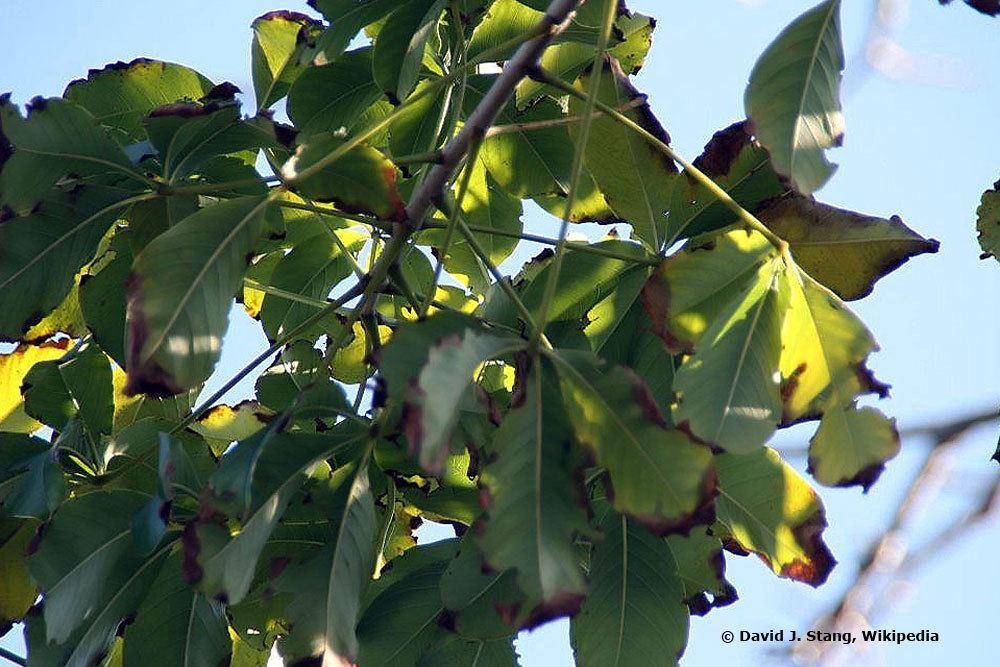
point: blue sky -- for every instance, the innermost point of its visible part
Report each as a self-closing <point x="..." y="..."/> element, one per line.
<point x="924" y="148"/>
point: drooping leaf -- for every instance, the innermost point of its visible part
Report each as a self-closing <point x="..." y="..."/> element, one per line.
<point x="363" y="180"/>
<point x="655" y="475"/>
<point x="846" y="251"/>
<point x="431" y="412"/>
<point x="121" y="94"/>
<point x="766" y="508"/>
<point x="180" y="291"/>
<point x="793" y="99"/>
<point x="57" y="139"/>
<point x="327" y="589"/>
<point x="176" y="625"/>
<point x="635" y="614"/>
<point x="729" y="390"/>
<point x="331" y="97"/>
<point x="282" y="41"/>
<point x="534" y="511"/>
<point x="634" y="176"/>
<point x="399" y="46"/>
<point x="14" y="367"/>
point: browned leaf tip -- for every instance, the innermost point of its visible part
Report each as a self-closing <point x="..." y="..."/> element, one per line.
<point x="285" y="15"/>
<point x="190" y="548"/>
<point x="142" y="376"/>
<point x="725" y="595"/>
<point x="815" y="570"/>
<point x="723" y="148"/>
<point x="564" y="603"/>
<point x="642" y="395"/>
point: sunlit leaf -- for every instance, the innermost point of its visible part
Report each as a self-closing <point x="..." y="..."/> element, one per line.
<point x="282" y="40"/>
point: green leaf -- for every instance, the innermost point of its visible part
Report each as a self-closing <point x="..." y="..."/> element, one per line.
<point x="737" y="164"/>
<point x="482" y="601"/>
<point x="634" y="614"/>
<point x="415" y="129"/>
<point x="766" y="508"/>
<point x="524" y="162"/>
<point x="400" y="624"/>
<point x="73" y="568"/>
<point x="282" y="40"/>
<point x="793" y="99"/>
<point x="347" y="18"/>
<point x="121" y="94"/>
<point x="17" y="590"/>
<point x="431" y="411"/>
<point x="507" y="19"/>
<point x="176" y="625"/>
<point x="363" y="180"/>
<point x="655" y="475"/>
<point x="148" y="219"/>
<point x="41" y="253"/>
<point x="14" y="367"/>
<point x="54" y="391"/>
<point x="988" y="223"/>
<point x="32" y="484"/>
<point x="334" y="96"/>
<point x="57" y="139"/>
<point x="102" y="296"/>
<point x="451" y="650"/>
<point x="298" y="367"/>
<point x="844" y="250"/>
<point x="180" y="292"/>
<point x="728" y="391"/>
<point x="311" y="270"/>
<point x="399" y="46"/>
<point x="535" y="512"/>
<point x="634" y="176"/>
<point x="701" y="568"/>
<point x="260" y="475"/>
<point x="327" y="589"/>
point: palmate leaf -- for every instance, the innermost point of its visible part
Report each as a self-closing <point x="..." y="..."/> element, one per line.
<point x="635" y="177"/>
<point x="180" y="292"/>
<point x="634" y="614"/>
<point x="56" y="139"/>
<point x="363" y="180"/>
<point x="121" y="94"/>
<point x="728" y="391"/>
<point x="176" y="625"/>
<point x="327" y="589"/>
<point x="846" y="251"/>
<point x="534" y="513"/>
<point x="766" y="508"/>
<point x="255" y="481"/>
<point x="793" y="99"/>
<point x="282" y="40"/>
<point x="655" y="475"/>
<point x="399" y="46"/>
<point x="432" y="409"/>
<point x="14" y="367"/>
<point x="42" y="252"/>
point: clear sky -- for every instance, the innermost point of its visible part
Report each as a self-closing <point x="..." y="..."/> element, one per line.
<point x="924" y="147"/>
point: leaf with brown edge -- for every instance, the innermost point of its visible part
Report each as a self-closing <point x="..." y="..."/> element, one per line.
<point x="282" y="40"/>
<point x="851" y="446"/>
<point x="765" y="507"/>
<point x="690" y="288"/>
<point x="737" y="164"/>
<point x="988" y="223"/>
<point x="656" y="475"/>
<point x="179" y="295"/>
<point x="534" y="501"/>
<point x="363" y="180"/>
<point x="701" y="567"/>
<point x="224" y="424"/>
<point x="846" y="251"/>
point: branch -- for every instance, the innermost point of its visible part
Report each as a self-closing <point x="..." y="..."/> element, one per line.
<point x="13" y="657"/>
